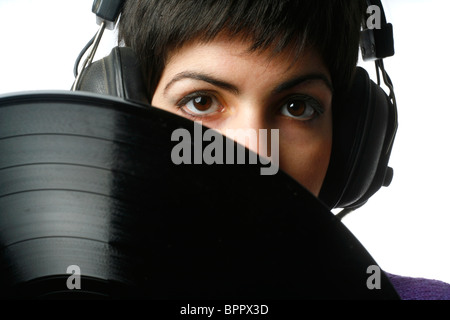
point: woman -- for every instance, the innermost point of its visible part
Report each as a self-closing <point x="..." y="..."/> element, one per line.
<point x="277" y="65"/>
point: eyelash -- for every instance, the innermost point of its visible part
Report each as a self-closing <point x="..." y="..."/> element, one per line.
<point x="317" y="107"/>
<point x="310" y="101"/>
<point x="190" y="97"/>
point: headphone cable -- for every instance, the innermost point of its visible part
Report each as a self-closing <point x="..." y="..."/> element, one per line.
<point x="90" y="57"/>
<point x="80" y="56"/>
<point x="341" y="214"/>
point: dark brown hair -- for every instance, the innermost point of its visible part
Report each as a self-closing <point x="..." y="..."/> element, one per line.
<point x="154" y="28"/>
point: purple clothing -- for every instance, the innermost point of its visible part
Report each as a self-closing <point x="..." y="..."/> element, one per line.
<point x="409" y="288"/>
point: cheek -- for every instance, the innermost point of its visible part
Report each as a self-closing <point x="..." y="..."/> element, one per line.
<point x="306" y="157"/>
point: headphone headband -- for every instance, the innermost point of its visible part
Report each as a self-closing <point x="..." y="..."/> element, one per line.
<point x="377" y="41"/>
<point x="107" y="11"/>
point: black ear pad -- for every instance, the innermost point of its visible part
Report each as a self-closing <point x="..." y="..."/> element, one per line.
<point x="364" y="127"/>
<point x="119" y="74"/>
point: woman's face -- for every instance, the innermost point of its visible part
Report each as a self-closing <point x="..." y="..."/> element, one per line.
<point x="228" y="88"/>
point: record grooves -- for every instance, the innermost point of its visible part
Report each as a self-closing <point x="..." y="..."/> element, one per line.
<point x="88" y="180"/>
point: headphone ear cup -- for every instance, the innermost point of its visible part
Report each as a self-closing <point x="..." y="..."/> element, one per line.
<point x="364" y="127"/>
<point x="119" y="74"/>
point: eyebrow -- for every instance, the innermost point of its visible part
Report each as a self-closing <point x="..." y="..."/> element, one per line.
<point x="304" y="78"/>
<point x="232" y="88"/>
<point x="202" y="77"/>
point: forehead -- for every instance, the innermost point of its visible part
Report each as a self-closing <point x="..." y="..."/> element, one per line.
<point x="224" y="54"/>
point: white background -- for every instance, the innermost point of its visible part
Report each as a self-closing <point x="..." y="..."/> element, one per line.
<point x="405" y="227"/>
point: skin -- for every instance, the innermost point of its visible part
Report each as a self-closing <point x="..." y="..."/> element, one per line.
<point x="223" y="85"/>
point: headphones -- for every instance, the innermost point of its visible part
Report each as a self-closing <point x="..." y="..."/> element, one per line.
<point x="365" y="128"/>
<point x="363" y="131"/>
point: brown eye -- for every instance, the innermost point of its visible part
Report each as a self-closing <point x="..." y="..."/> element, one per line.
<point x="202" y="103"/>
<point x="302" y="108"/>
<point x="296" y="108"/>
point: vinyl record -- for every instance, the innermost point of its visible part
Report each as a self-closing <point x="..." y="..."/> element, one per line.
<point x="90" y="181"/>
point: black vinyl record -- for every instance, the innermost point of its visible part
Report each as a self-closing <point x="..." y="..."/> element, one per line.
<point x="88" y="181"/>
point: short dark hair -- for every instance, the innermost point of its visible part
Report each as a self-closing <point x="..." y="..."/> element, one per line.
<point x="154" y="28"/>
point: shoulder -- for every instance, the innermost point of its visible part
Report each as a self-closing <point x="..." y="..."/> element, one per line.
<point x="409" y="288"/>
